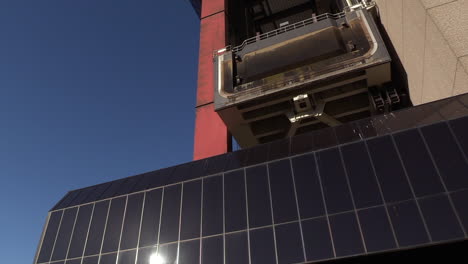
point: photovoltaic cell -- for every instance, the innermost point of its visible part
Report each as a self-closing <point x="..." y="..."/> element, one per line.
<point x="191" y="210"/>
<point x="212" y="250"/>
<point x="189" y="252"/>
<point x="131" y="225"/>
<point x="317" y="239"/>
<point x="460" y="129"/>
<point x="81" y="230"/>
<point x="389" y="170"/>
<point x="236" y="248"/>
<point x="395" y="165"/>
<point x="151" y="217"/>
<point x="262" y="248"/>
<point x="335" y="185"/>
<point x="212" y="206"/>
<point x="65" y="232"/>
<point x="96" y="230"/>
<point x="459" y="200"/>
<point x="168" y="252"/>
<point x="73" y="261"/>
<point x="440" y="218"/>
<point x="170" y="214"/>
<point x="364" y="186"/>
<point x="180" y="173"/>
<point x="49" y="237"/>
<point x="346" y="234"/>
<point x="127" y="186"/>
<point x="418" y="163"/>
<point x="126" y="257"/>
<point x="448" y="157"/>
<point x="234" y="201"/>
<point x="308" y="188"/>
<point x="112" y="190"/>
<point x="108" y="259"/>
<point x="91" y="260"/>
<point x="376" y="229"/>
<point x="82" y="196"/>
<point x="67" y="199"/>
<point x="144" y="254"/>
<point x="114" y="225"/>
<point x="91" y="193"/>
<point x="289" y="244"/>
<point x="282" y="191"/>
<point x="258" y="197"/>
<point x="408" y="225"/>
<point x="237" y="159"/>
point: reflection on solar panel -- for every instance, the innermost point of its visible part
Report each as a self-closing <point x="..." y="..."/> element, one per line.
<point x="388" y="183"/>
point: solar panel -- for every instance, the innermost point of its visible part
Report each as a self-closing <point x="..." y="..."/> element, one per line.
<point x="357" y="191"/>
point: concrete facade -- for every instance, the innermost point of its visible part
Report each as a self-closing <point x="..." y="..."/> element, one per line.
<point x="431" y="40"/>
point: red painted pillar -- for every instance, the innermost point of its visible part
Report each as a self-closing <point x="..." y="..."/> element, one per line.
<point x="211" y="135"/>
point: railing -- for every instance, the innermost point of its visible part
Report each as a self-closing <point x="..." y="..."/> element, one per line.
<point x="353" y="4"/>
<point x="280" y="31"/>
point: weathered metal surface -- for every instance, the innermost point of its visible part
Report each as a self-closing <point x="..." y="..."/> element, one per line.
<point x="212" y="36"/>
<point x="211" y="136"/>
<point x="210" y="7"/>
<point x="336" y="60"/>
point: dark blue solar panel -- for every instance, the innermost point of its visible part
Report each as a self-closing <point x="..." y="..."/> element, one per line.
<point x="212" y="206"/>
<point x="376" y="229"/>
<point x="448" y="157"/>
<point x="234" y="201"/>
<point x="191" y="210"/>
<point x="389" y="170"/>
<point x="289" y="243"/>
<point x="262" y="247"/>
<point x="408" y="224"/>
<point x="382" y="193"/>
<point x="335" y="185"/>
<point x="346" y="234"/>
<point x="258" y="197"/>
<point x="317" y="240"/>
<point x="438" y="212"/>
<point x="363" y="182"/>
<point x="282" y="191"/>
<point x="308" y="188"/>
<point x="419" y="166"/>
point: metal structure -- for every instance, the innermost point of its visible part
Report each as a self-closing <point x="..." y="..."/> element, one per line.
<point x="391" y="188"/>
<point x="297" y="66"/>
<point x="349" y="180"/>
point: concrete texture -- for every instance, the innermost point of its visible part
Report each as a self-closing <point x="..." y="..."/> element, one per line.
<point x="440" y="65"/>
<point x="461" y="80"/>
<point x="431" y="39"/>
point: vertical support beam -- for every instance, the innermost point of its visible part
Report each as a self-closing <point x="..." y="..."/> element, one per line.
<point x="211" y="135"/>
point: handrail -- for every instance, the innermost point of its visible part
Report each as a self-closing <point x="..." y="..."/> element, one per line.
<point x="279" y="31"/>
<point x="287" y="28"/>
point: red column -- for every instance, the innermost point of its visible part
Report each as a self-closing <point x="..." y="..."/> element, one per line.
<point x="211" y="135"/>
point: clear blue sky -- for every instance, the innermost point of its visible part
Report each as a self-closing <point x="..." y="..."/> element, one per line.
<point x="90" y="91"/>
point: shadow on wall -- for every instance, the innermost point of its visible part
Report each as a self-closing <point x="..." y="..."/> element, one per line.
<point x="399" y="75"/>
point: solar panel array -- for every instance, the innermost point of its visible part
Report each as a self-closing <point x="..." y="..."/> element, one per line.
<point x="402" y="186"/>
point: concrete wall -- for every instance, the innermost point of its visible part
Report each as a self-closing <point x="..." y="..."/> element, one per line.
<point x="431" y="39"/>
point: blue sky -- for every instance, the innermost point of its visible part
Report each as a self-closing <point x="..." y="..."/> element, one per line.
<point x="90" y="91"/>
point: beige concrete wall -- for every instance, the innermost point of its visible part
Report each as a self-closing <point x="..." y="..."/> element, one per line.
<point x="431" y="39"/>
